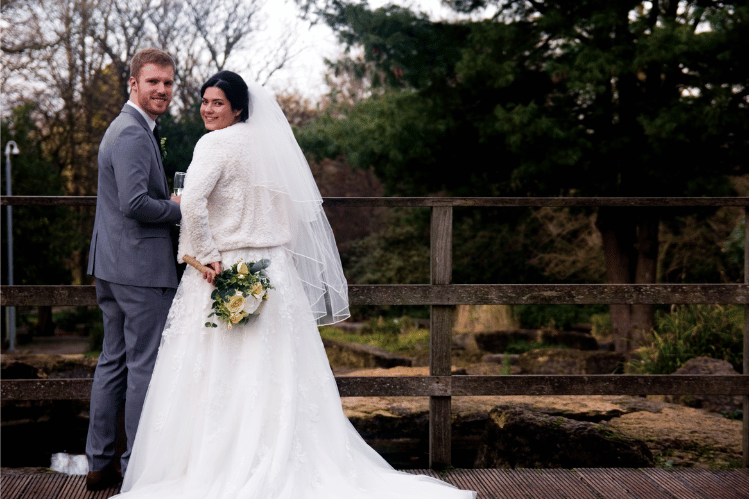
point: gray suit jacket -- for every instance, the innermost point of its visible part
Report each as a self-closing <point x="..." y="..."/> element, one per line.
<point x="130" y="244"/>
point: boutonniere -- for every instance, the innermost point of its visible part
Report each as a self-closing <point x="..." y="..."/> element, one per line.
<point x="162" y="146"/>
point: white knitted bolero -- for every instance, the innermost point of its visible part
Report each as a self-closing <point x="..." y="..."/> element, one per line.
<point x="223" y="208"/>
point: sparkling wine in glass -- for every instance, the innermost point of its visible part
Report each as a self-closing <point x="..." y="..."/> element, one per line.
<point x="179" y="183"/>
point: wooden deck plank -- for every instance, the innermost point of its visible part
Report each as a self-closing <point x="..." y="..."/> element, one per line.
<point x="739" y="481"/>
<point x="604" y="484"/>
<point x="73" y="488"/>
<point x="14" y="485"/>
<point x="710" y="485"/>
<point x="498" y="484"/>
<point x="47" y="485"/>
<point x="509" y="480"/>
<point x="589" y="483"/>
<point x="670" y="480"/>
<point x="542" y="487"/>
<point x="569" y="484"/>
<point x="465" y="480"/>
<point x="638" y="484"/>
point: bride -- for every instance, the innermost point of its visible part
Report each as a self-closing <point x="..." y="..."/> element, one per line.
<point x="253" y="411"/>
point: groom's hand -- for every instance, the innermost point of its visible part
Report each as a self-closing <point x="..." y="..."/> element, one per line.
<point x="176" y="199"/>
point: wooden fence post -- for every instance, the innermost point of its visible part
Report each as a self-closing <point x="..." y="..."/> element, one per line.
<point x="440" y="329"/>
<point x="745" y="433"/>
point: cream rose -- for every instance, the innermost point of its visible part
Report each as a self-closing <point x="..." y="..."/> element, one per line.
<point x="235" y="303"/>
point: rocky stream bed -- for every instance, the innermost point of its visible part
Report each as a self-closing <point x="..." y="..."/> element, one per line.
<point x="509" y="431"/>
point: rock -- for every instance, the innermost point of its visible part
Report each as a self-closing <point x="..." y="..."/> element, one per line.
<point x="675" y="434"/>
<point x="518" y="438"/>
<point x="715" y="403"/>
<point x="582" y="328"/>
<point x="497" y="341"/>
<point x="683" y="436"/>
<point x="606" y="346"/>
<point x="491" y="369"/>
<point x="19" y="370"/>
<point x="572" y="339"/>
<point x="465" y="341"/>
<point x="402" y="371"/>
<point x="568" y="361"/>
<point x="361" y="356"/>
<point x="499" y="358"/>
<point x="32" y="430"/>
<point x="52" y="366"/>
<point x="350" y="327"/>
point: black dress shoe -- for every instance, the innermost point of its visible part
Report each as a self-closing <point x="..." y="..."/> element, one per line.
<point x="100" y="480"/>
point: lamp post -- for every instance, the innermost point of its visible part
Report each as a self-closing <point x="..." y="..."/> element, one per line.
<point x="10" y="148"/>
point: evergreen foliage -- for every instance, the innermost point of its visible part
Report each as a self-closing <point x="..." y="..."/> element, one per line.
<point x="691" y="331"/>
<point x="44" y="237"/>
<point x="551" y="98"/>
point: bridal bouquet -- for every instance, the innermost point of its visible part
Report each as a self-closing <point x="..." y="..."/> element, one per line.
<point x="240" y="290"/>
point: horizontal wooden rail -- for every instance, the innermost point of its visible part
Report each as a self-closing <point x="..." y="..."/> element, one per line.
<point x="451" y="294"/>
<point x="445" y="386"/>
<point x="440" y="295"/>
<point x="508" y="202"/>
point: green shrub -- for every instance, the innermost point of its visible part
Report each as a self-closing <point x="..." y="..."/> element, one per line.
<point x="522" y="346"/>
<point x="69" y="320"/>
<point x="96" y="338"/>
<point x="691" y="331"/>
<point x="602" y="329"/>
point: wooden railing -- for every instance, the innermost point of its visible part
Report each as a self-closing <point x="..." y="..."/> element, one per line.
<point x="441" y="295"/>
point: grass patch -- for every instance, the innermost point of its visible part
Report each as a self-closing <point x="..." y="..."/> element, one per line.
<point x="393" y="335"/>
<point x="522" y="346"/>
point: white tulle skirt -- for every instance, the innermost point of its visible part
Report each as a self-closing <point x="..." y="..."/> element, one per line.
<point x="253" y="412"/>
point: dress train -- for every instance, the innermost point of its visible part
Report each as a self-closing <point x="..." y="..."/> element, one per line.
<point x="253" y="411"/>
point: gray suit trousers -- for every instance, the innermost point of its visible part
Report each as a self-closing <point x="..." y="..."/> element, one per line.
<point x="134" y="319"/>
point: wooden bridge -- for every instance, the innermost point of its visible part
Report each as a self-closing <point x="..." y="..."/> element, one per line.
<point x="441" y="295"/>
<point x="590" y="483"/>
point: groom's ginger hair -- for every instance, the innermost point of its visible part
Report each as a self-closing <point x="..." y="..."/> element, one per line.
<point x="150" y="56"/>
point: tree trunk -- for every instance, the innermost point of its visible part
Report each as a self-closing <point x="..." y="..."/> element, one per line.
<point x="645" y="272"/>
<point x="630" y="245"/>
<point x="45" y="326"/>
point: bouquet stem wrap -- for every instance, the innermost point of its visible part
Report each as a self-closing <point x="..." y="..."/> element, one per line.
<point x="196" y="264"/>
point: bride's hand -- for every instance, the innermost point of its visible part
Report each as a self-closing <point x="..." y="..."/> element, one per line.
<point x="210" y="275"/>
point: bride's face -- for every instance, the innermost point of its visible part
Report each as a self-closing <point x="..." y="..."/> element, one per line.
<point x="216" y="110"/>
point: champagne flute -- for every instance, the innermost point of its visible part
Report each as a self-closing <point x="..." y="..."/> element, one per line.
<point x="179" y="183"/>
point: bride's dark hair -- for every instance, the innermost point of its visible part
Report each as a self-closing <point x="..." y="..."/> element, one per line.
<point x="234" y="88"/>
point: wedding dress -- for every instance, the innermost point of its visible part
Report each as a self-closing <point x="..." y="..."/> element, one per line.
<point x="253" y="411"/>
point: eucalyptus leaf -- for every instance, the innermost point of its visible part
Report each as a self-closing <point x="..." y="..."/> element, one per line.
<point x="258" y="266"/>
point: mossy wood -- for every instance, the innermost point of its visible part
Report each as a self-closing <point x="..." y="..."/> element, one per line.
<point x="449" y="386"/>
<point x="453" y="294"/>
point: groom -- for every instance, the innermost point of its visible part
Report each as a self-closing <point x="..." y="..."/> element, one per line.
<point x="132" y="261"/>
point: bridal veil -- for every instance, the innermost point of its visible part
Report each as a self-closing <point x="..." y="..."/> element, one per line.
<point x="282" y="170"/>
